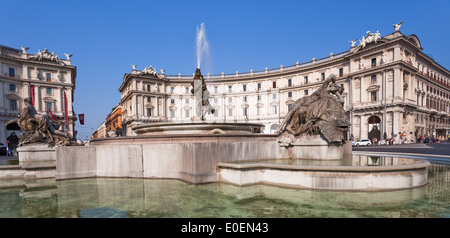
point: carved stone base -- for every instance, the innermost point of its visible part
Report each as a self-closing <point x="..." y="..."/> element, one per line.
<point x="311" y="147"/>
<point x="36" y="153"/>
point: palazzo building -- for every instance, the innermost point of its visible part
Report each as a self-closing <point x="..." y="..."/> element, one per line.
<point x="49" y="80"/>
<point x="392" y="90"/>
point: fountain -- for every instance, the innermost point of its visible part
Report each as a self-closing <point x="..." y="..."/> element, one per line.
<point x="309" y="150"/>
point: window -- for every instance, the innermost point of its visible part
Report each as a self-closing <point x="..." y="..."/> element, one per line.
<point x="148" y="87"/>
<point x="186" y="112"/>
<point x="172" y="113"/>
<point x="259" y="86"/>
<point x="289" y="82"/>
<point x="341" y="72"/>
<point x="290" y="106"/>
<point x="259" y="97"/>
<point x="289" y="94"/>
<point x="216" y="113"/>
<point x="374" y="62"/>
<point x="244" y="99"/>
<point x="230" y="99"/>
<point x="187" y="90"/>
<point x="322" y="75"/>
<point x="172" y="89"/>
<point x="48" y="76"/>
<point x="306" y="92"/>
<point x="373" y="96"/>
<point x="374" y="78"/>
<point x="274" y="84"/>
<point x="244" y="88"/>
<point x="13" y="105"/>
<point x="149" y="112"/>
<point x="149" y="99"/>
<point x="244" y="111"/>
<point x="216" y="100"/>
<point x="12" y="72"/>
<point x="49" y="91"/>
<point x="274" y="96"/>
<point x="230" y="112"/>
<point x="306" y="79"/>
<point x="12" y="87"/>
<point x="230" y="89"/>
<point x="187" y="100"/>
<point x="215" y="89"/>
<point x="172" y="101"/>
<point x="48" y="106"/>
<point x="275" y="109"/>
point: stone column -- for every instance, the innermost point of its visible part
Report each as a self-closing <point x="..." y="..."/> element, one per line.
<point x="2" y="101"/>
<point x="133" y="106"/>
<point x="69" y="101"/>
<point x="396" y="117"/>
<point x="143" y="111"/>
<point x="59" y="94"/>
<point x="364" y="127"/>
<point x="37" y="98"/>
<point x="158" y="111"/>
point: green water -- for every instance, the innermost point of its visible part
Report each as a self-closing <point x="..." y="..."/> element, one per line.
<point x="159" y="198"/>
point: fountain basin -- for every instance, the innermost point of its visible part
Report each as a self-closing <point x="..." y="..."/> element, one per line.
<point x="388" y="173"/>
<point x="196" y="128"/>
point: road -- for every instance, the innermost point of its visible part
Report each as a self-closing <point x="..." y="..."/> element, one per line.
<point x="435" y="152"/>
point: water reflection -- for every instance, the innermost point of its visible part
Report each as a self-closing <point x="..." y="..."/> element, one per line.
<point x="118" y="197"/>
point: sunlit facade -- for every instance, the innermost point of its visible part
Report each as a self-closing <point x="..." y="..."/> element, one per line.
<point x="392" y="90"/>
<point x="43" y="76"/>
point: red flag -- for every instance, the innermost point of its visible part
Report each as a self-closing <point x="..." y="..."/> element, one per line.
<point x="51" y="114"/>
<point x="81" y="116"/>
<point x="66" y="115"/>
<point x="32" y="94"/>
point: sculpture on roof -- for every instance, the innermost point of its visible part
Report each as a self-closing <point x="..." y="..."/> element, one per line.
<point x="370" y="38"/>
<point x="397" y="26"/>
<point x="67" y="56"/>
<point x="201" y="95"/>
<point x="46" y="55"/>
<point x="24" y="49"/>
<point x="321" y="113"/>
<point x="38" y="128"/>
<point x="151" y="71"/>
<point x="353" y="42"/>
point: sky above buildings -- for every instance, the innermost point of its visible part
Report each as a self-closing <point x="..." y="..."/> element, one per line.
<point x="106" y="37"/>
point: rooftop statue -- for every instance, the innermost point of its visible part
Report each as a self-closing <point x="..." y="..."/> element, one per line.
<point x="24" y="49"/>
<point x="201" y="95"/>
<point x="38" y="128"/>
<point x="321" y="113"/>
<point x="46" y="55"/>
<point x="370" y="38"/>
<point x="397" y="26"/>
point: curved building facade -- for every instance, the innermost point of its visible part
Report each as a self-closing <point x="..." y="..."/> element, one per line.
<point x="392" y="90"/>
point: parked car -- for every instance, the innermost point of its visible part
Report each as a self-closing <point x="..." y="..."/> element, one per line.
<point x="361" y="142"/>
<point x="3" y="150"/>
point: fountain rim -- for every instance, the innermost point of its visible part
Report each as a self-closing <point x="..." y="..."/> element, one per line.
<point x="196" y="128"/>
<point x="421" y="164"/>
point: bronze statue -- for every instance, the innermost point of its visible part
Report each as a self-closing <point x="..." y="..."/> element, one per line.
<point x="319" y="113"/>
<point x="201" y="94"/>
<point x="38" y="128"/>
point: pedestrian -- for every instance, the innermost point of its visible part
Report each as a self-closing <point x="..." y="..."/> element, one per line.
<point x="437" y="139"/>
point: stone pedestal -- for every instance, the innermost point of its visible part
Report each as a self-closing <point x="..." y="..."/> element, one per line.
<point x="311" y="147"/>
<point x="36" y="153"/>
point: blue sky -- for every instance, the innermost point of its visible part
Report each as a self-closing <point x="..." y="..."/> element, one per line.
<point x="106" y="37"/>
